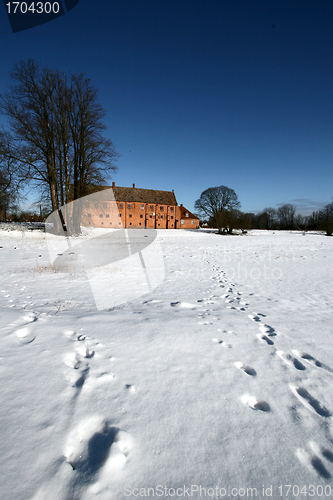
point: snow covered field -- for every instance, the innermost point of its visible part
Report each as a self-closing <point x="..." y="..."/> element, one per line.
<point x="219" y="383"/>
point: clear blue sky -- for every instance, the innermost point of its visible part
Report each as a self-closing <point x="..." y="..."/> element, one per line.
<point x="202" y="93"/>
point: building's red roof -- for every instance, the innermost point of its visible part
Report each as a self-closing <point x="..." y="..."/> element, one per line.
<point x="184" y="210"/>
<point x="144" y="195"/>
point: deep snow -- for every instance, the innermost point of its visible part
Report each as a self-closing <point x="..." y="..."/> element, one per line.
<point x="220" y="378"/>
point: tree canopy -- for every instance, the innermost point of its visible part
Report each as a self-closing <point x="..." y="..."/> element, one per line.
<point x="56" y="132"/>
<point x="215" y="202"/>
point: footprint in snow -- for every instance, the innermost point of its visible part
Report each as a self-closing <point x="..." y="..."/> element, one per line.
<point x="246" y="369"/>
<point x="313" y="361"/>
<point x="130" y="388"/>
<point x="310" y="402"/>
<point x="263" y="338"/>
<point x="78" y="381"/>
<point x="253" y="403"/>
<point x="267" y="330"/>
<point x="183" y="305"/>
<point x="73" y="360"/>
<point x="257" y="316"/>
<point x="320" y="450"/>
<point x="290" y="360"/>
<point x="85" y="351"/>
<point x="254" y="317"/>
<point x="312" y="462"/>
<point x="95" y="444"/>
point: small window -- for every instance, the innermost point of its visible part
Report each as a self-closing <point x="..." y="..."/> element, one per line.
<point x="96" y="205"/>
<point x="151" y="207"/>
<point x="130" y="223"/>
<point x="182" y="222"/>
<point x="129" y="205"/>
<point x="130" y="215"/>
<point x="186" y="214"/>
<point x="161" y="209"/>
<point x="192" y="222"/>
<point x="151" y="216"/>
<point x="107" y="215"/>
<point x="161" y="216"/>
<point x="101" y="215"/>
<point x="171" y="216"/>
<point x="142" y="207"/>
<point x="119" y="223"/>
<point x="121" y="205"/>
<point x="171" y="209"/>
<point x="119" y="216"/>
<point x="110" y="223"/>
<point x="89" y="215"/>
<point x="141" y="216"/>
<point x="105" y="205"/>
<point x="139" y="223"/>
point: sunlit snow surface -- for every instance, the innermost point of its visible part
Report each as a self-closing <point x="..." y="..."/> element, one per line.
<point x="222" y="377"/>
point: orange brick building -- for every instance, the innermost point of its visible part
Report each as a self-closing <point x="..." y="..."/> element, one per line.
<point x="134" y="207"/>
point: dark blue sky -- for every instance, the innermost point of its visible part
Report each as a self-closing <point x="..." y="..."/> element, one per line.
<point x="203" y="93"/>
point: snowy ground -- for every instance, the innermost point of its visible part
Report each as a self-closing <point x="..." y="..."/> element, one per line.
<point x="218" y="381"/>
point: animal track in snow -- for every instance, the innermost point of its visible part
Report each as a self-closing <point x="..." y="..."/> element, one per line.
<point x="94" y="444"/>
<point x="246" y="369"/>
<point x="290" y="360"/>
<point x="254" y="317"/>
<point x="310" y="402"/>
<point x="267" y="330"/>
<point x="257" y="317"/>
<point x="85" y="351"/>
<point x="130" y="387"/>
<point x="183" y="305"/>
<point x="313" y="361"/>
<point x="253" y="403"/>
<point x="29" y="318"/>
<point x="73" y="360"/>
<point x="312" y="462"/>
<point x="264" y="338"/>
<point x="320" y="450"/>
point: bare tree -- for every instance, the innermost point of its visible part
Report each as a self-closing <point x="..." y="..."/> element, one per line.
<point x="58" y="132"/>
<point x="213" y="202"/>
<point x="326" y="219"/>
<point x="268" y="218"/>
<point x="286" y="216"/>
<point x="11" y="182"/>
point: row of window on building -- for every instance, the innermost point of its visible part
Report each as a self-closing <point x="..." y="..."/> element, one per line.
<point x="129" y="215"/>
<point x="132" y="205"/>
<point x="182" y="222"/>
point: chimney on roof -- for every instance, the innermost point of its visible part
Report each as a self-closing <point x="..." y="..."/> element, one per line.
<point x="113" y="184"/>
<point x="181" y="204"/>
<point x="133" y="186"/>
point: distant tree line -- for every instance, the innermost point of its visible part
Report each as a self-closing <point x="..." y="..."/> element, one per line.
<point x="55" y="140"/>
<point x="218" y="207"/>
